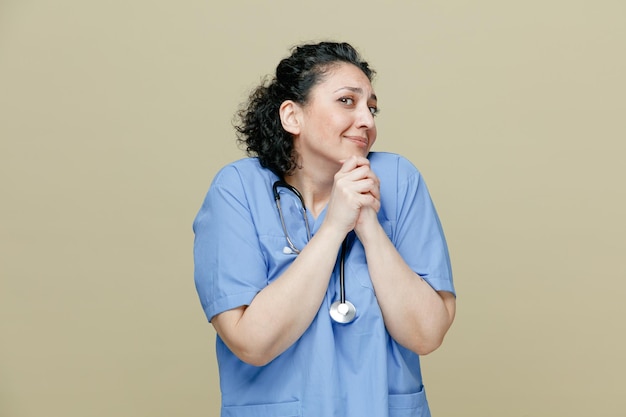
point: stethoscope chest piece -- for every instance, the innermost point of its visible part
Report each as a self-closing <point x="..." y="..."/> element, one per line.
<point x="342" y="312"/>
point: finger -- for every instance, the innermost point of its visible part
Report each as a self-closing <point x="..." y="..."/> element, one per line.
<point x="369" y="180"/>
<point x="348" y="164"/>
<point x="361" y="180"/>
<point x="356" y="172"/>
<point x="369" y="201"/>
<point x="353" y="162"/>
<point x="367" y="186"/>
<point x="362" y="161"/>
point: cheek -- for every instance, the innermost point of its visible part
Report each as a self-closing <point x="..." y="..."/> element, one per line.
<point x="341" y="122"/>
<point x="372" y="136"/>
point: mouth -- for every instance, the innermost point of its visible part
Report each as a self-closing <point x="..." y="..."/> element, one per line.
<point x="360" y="141"/>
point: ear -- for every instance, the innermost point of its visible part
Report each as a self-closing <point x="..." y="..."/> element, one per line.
<point x="290" y="116"/>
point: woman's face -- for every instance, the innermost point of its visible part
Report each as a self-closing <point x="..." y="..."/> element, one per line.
<point x="338" y="119"/>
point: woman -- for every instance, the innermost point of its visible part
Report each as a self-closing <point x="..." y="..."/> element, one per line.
<point x="323" y="267"/>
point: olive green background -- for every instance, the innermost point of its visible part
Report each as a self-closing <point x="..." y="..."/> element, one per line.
<point x="115" y="115"/>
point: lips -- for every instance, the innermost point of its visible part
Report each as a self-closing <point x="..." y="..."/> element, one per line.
<point x="359" y="140"/>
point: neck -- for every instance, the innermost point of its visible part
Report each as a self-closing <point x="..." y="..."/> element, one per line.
<point x="315" y="189"/>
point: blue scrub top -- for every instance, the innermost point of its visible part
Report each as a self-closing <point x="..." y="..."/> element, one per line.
<point x="344" y="370"/>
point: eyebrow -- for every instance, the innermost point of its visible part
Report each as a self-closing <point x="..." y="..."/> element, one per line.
<point x="356" y="90"/>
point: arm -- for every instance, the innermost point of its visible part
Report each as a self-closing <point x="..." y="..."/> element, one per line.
<point x="281" y="312"/>
<point x="415" y="315"/>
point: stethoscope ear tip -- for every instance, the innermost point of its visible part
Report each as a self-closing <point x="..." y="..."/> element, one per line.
<point x="288" y="251"/>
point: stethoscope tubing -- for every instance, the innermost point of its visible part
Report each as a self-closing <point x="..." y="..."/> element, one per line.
<point x="341" y="311"/>
<point x="342" y="281"/>
<point x="282" y="218"/>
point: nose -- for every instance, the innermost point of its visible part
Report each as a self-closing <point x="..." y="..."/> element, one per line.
<point x="365" y="117"/>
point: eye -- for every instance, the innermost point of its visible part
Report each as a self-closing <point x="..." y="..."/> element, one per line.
<point x="374" y="110"/>
<point x="347" y="100"/>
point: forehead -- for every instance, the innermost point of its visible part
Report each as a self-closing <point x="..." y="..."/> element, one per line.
<point x="344" y="75"/>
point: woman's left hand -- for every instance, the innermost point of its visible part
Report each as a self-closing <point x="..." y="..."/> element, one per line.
<point x="356" y="190"/>
<point x="369" y="190"/>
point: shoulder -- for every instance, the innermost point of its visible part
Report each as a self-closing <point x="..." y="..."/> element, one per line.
<point x="243" y="171"/>
<point x="236" y="185"/>
<point x="393" y="166"/>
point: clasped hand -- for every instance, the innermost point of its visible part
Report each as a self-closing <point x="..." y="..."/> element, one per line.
<point x="355" y="198"/>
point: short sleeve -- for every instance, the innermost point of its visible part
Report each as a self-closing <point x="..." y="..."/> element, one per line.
<point x="419" y="236"/>
<point x="229" y="268"/>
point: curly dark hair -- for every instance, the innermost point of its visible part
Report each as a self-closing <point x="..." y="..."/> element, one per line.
<point x="258" y="122"/>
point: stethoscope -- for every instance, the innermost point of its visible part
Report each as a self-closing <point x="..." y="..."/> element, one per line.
<point x="342" y="311"/>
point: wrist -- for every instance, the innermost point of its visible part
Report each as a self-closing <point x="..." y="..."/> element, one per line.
<point x="369" y="233"/>
<point x="331" y="234"/>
